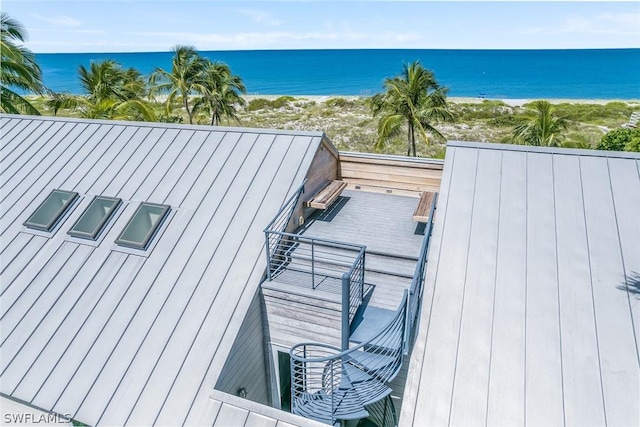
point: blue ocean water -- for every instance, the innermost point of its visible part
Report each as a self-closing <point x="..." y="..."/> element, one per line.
<point x="576" y="74"/>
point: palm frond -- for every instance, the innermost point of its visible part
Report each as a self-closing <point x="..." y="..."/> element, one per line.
<point x="388" y="127"/>
<point x="416" y="96"/>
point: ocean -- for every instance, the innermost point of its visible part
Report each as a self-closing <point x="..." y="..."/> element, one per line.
<point x="517" y="74"/>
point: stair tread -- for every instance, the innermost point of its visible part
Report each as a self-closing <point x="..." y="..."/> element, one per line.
<point x="372" y="362"/>
<point x="369" y="322"/>
<point x="318" y="406"/>
<point x="368" y="388"/>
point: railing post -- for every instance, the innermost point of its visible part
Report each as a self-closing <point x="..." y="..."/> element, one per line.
<point x="364" y="253"/>
<point x="266" y="238"/>
<point x="313" y="265"/>
<point x="346" y="328"/>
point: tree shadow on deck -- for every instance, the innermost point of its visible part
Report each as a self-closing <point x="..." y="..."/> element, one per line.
<point x="631" y="284"/>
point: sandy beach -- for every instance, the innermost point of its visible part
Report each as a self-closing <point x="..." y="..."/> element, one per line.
<point x="513" y="102"/>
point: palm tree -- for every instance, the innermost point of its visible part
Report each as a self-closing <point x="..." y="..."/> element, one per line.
<point x="112" y="109"/>
<point x="184" y="80"/>
<point x="414" y="98"/>
<point x="544" y="128"/>
<point x="222" y="93"/>
<point x="61" y="101"/>
<point x="18" y="69"/>
<point x="113" y="93"/>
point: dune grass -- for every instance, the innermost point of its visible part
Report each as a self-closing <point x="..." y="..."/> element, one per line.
<point x="348" y="122"/>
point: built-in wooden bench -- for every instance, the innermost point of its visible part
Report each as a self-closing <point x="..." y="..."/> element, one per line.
<point x="325" y="197"/>
<point x="421" y="214"/>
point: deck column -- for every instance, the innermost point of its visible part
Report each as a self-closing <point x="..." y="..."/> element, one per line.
<point x="345" y="311"/>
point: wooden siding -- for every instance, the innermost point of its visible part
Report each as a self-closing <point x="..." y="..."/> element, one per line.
<point x="324" y="169"/>
<point x="390" y="174"/>
<point x="245" y="367"/>
<point x="296" y="315"/>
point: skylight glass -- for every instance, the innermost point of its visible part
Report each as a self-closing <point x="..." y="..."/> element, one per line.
<point x="94" y="218"/>
<point x="51" y="210"/>
<point x="142" y="226"/>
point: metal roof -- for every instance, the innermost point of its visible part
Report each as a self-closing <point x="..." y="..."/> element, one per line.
<point x="532" y="304"/>
<point x="224" y="410"/>
<point x="117" y="336"/>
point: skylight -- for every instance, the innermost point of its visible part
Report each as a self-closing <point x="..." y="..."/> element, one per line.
<point x="142" y="226"/>
<point x="51" y="210"/>
<point x="94" y="218"/>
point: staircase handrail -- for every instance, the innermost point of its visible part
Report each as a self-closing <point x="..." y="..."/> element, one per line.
<point x="351" y="350"/>
<point x="417" y="282"/>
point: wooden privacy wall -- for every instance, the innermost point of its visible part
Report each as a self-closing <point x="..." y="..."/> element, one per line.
<point x="391" y="174"/>
<point x="324" y="168"/>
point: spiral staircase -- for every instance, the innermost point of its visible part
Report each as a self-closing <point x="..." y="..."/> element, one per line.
<point x="331" y="384"/>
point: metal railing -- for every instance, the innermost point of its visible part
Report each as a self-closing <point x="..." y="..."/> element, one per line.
<point x="319" y="261"/>
<point x="280" y="222"/>
<point x="329" y="384"/>
<point x="417" y="283"/>
<point x="307" y="261"/>
<point x="356" y="282"/>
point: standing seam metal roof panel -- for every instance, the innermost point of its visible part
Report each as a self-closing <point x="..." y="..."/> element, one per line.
<point x="531" y="304"/>
<point x="107" y="335"/>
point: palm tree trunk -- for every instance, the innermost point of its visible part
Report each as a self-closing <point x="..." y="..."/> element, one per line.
<point x="412" y="141"/>
<point x="186" y="107"/>
<point x="409" y="129"/>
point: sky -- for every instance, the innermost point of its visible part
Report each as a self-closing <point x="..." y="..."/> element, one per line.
<point x="56" y="26"/>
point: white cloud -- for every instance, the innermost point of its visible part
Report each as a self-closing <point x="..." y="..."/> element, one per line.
<point x="277" y="39"/>
<point x="61" y="21"/>
<point x="614" y="24"/>
<point x="261" y="17"/>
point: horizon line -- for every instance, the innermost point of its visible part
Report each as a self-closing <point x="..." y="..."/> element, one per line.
<point x="340" y="49"/>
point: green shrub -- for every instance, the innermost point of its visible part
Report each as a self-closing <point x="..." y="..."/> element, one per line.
<point x="621" y="140"/>
<point x="282" y="101"/>
<point x="594" y="113"/>
<point x="505" y="120"/>
<point x="262" y="103"/>
<point x="487" y="109"/>
<point x="257" y="104"/>
<point x="339" y="102"/>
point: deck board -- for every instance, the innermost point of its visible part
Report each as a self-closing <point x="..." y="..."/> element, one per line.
<point x="382" y="222"/>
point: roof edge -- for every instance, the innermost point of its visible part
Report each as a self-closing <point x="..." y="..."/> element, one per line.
<point x="315" y="134"/>
<point x="546" y="150"/>
<point x="264" y="410"/>
<point x="420" y="160"/>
